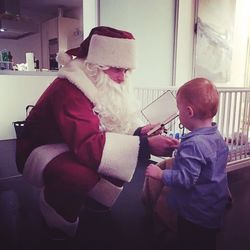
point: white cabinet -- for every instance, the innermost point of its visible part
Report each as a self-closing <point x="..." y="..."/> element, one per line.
<point x="57" y="35"/>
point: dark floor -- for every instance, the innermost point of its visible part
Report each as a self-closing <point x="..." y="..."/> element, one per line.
<point x="126" y="226"/>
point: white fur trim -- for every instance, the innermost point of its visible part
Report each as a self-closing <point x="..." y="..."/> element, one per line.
<point x="63" y="58"/>
<point x="38" y="160"/>
<point x="105" y="192"/>
<point x="55" y="220"/>
<point x="74" y="72"/>
<point x="119" y="156"/>
<point x="109" y="51"/>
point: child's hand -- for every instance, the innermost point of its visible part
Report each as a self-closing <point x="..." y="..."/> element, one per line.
<point x="154" y="171"/>
<point x="160" y="145"/>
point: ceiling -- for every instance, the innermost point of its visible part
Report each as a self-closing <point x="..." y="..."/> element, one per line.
<point x="49" y="6"/>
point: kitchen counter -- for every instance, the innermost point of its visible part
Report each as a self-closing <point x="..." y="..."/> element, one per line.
<point x="28" y="73"/>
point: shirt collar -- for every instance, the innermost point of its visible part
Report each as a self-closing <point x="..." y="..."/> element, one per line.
<point x="201" y="131"/>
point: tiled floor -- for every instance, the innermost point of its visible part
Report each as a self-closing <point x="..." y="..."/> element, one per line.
<point x="126" y="226"/>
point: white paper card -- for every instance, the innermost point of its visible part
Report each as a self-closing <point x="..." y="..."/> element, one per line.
<point x="162" y="110"/>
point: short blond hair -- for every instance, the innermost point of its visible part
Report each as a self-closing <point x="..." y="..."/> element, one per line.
<point x="202" y="95"/>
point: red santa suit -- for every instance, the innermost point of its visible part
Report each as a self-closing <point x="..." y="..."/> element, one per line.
<point x="68" y="152"/>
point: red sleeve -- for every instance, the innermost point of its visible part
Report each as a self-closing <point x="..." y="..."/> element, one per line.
<point x="79" y="125"/>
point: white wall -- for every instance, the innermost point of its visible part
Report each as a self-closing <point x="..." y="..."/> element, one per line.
<point x="90" y="16"/>
<point x="16" y="93"/>
<point x="152" y="24"/>
<point x="185" y="39"/>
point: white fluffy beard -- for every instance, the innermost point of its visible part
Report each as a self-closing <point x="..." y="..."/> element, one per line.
<point x="116" y="105"/>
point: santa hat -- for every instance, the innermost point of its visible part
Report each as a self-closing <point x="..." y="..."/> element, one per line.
<point x="104" y="46"/>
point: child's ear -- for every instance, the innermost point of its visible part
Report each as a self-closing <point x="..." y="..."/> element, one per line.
<point x="190" y="111"/>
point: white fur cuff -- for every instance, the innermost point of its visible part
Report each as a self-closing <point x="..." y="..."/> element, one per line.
<point x="120" y="156"/>
<point x="38" y="160"/>
<point x="105" y="192"/>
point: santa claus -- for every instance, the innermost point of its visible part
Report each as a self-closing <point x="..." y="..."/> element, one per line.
<point x="83" y="139"/>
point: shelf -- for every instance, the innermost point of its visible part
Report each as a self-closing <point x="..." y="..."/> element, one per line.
<point x="6" y="62"/>
<point x="6" y="72"/>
